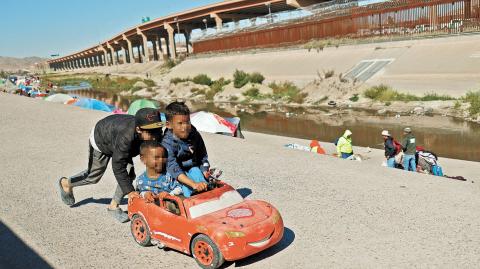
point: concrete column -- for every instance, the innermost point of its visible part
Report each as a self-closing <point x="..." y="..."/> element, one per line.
<point x="218" y="21"/>
<point x="164" y="46"/>
<point x="112" y="53"/>
<point x="155" y="51"/>
<point x="117" y="57"/>
<point x="171" y="40"/>
<point x="187" y="34"/>
<point x="146" y="56"/>
<point x="130" y="49"/>
<point x="433" y="17"/>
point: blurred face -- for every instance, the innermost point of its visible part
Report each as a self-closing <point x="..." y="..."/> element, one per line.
<point x="180" y="125"/>
<point x="154" y="159"/>
<point x="153" y="134"/>
<point x="385" y="137"/>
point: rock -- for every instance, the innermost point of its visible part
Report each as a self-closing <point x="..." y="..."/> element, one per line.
<point x="428" y="110"/>
<point x="140" y="84"/>
<point x="418" y="110"/>
<point x="382" y="111"/>
<point x="144" y="93"/>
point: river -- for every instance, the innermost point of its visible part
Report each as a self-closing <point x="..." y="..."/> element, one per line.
<point x="448" y="137"/>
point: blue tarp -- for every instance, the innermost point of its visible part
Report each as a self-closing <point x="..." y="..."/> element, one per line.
<point x="94" y="104"/>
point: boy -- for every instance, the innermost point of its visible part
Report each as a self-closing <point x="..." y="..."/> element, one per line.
<point x="187" y="156"/>
<point x="409" y="146"/>
<point x="154" y="180"/>
<point x="116" y="137"/>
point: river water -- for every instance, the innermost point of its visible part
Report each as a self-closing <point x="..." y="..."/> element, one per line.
<point x="448" y="137"/>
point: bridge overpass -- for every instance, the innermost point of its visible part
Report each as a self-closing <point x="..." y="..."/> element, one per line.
<point x="161" y="32"/>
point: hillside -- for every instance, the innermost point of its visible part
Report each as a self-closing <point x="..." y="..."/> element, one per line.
<point x="15" y="64"/>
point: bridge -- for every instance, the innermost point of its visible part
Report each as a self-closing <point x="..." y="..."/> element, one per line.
<point x="161" y="33"/>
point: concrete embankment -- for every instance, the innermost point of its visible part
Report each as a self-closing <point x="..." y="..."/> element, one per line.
<point x="338" y="214"/>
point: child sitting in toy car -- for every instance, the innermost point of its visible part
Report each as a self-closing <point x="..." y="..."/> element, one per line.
<point x="155" y="179"/>
<point x="187" y="156"/>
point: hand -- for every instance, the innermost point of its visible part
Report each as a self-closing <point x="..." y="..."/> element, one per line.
<point x="133" y="194"/>
<point x="149" y="197"/>
<point x="207" y="174"/>
<point x="200" y="186"/>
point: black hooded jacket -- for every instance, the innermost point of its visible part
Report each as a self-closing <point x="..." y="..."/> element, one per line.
<point x="115" y="136"/>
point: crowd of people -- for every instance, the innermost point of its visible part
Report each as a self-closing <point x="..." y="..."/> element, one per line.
<point x="406" y="155"/>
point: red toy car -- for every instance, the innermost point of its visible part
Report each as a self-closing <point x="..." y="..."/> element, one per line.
<point x="212" y="226"/>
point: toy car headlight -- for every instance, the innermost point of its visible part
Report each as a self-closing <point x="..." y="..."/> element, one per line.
<point x="235" y="234"/>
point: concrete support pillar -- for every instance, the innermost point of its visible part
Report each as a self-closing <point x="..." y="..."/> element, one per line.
<point x="218" y="21"/>
<point x="117" y="56"/>
<point x="433" y="17"/>
<point x="104" y="55"/>
<point x="130" y="49"/>
<point x="145" y="56"/>
<point x="171" y="40"/>
<point x="187" y="34"/>
<point x="164" y="46"/>
<point x="112" y="54"/>
<point x="155" y="49"/>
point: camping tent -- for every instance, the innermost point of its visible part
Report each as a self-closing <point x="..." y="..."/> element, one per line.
<point x="213" y="123"/>
<point x="59" y="98"/>
<point x="139" y="104"/>
<point x="94" y="104"/>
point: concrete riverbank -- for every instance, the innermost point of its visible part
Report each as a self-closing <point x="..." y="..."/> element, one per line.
<point x="338" y="214"/>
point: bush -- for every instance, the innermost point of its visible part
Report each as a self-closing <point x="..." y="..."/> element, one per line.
<point x="240" y="79"/>
<point x="329" y="74"/>
<point x="474" y="99"/>
<point x="169" y="64"/>
<point x="178" y="80"/>
<point x="202" y="79"/>
<point x="256" y="78"/>
<point x="149" y="82"/>
<point x="287" y="90"/>
<point x="216" y="87"/>
<point x="354" y="98"/>
<point x="253" y="93"/>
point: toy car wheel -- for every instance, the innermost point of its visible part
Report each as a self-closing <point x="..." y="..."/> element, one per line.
<point x="140" y="231"/>
<point x="206" y="253"/>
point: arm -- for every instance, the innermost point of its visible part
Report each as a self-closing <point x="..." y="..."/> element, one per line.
<point x="340" y="143"/>
<point x="120" y="160"/>
<point x="404" y="144"/>
<point x="192" y="184"/>
<point x="202" y="155"/>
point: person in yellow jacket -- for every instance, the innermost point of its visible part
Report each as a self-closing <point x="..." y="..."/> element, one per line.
<point x="344" y="145"/>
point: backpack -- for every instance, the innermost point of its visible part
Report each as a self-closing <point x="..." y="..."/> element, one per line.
<point x="335" y="142"/>
<point x="437" y="171"/>
<point x="398" y="146"/>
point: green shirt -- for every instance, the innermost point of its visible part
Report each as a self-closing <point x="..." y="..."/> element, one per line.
<point x="409" y="144"/>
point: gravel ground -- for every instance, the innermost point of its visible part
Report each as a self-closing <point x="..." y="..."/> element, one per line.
<point x="337" y="213"/>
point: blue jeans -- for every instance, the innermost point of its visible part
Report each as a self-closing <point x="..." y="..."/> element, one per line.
<point x="346" y="155"/>
<point x="196" y="175"/>
<point x="409" y="163"/>
<point x="391" y="162"/>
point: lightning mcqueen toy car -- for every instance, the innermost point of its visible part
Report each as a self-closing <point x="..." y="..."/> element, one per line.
<point x="212" y="226"/>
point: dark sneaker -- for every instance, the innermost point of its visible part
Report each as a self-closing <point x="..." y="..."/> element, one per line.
<point x="67" y="197"/>
<point x="118" y="214"/>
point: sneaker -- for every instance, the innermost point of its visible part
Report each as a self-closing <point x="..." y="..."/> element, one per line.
<point x="118" y="214"/>
<point x="67" y="197"/>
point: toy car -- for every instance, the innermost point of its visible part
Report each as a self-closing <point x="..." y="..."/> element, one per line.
<point x="212" y="226"/>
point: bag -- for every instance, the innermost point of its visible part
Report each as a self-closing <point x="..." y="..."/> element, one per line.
<point x="335" y="142"/>
<point x="398" y="146"/>
<point x="437" y="171"/>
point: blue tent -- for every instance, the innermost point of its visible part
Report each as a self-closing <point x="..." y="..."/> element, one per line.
<point x="94" y="104"/>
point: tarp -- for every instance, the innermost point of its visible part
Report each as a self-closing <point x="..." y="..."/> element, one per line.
<point x="94" y="104"/>
<point x="59" y="98"/>
<point x="139" y="104"/>
<point x="213" y="123"/>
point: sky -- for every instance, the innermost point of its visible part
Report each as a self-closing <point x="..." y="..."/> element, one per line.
<point x="45" y="27"/>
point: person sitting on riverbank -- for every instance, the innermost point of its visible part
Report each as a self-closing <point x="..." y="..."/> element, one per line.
<point x="187" y="159"/>
<point x="344" y="146"/>
<point x="155" y="179"/>
<point x="409" y="147"/>
<point x="390" y="149"/>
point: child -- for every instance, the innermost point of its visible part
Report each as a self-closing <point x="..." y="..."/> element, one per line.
<point x="154" y="180"/>
<point x="187" y="156"/>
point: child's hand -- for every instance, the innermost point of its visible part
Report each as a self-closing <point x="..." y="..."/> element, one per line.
<point x="149" y="197"/>
<point x="207" y="174"/>
<point x="200" y="186"/>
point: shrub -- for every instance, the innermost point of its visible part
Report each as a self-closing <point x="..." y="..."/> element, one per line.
<point x="178" y="80"/>
<point x="474" y="99"/>
<point x="329" y="73"/>
<point x="136" y="89"/>
<point x="202" y="79"/>
<point x="240" y="79"/>
<point x="169" y="64"/>
<point x="216" y="87"/>
<point x="287" y="90"/>
<point x="436" y="97"/>
<point x="384" y="93"/>
<point x="233" y="98"/>
<point x="354" y="98"/>
<point x="149" y="82"/>
<point x="256" y="77"/>
<point x="253" y="93"/>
